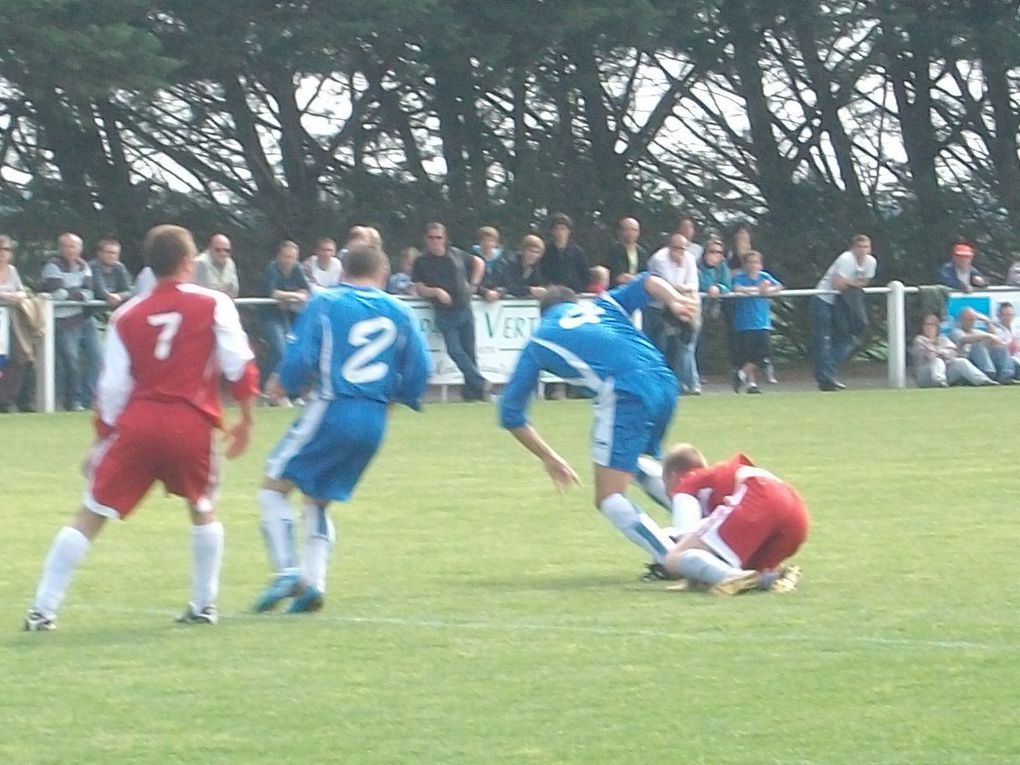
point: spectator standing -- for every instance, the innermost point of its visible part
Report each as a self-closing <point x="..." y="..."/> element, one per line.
<point x="626" y="257"/>
<point x="448" y="277"/>
<point x="286" y="284"/>
<point x="110" y="279"/>
<point x="677" y="341"/>
<point x="960" y="273"/>
<point x="68" y="278"/>
<point x="12" y="293"/>
<point x="598" y="280"/>
<point x="214" y="268"/>
<point x="714" y="278"/>
<point x="489" y="248"/>
<point x="1013" y="275"/>
<point x="688" y="227"/>
<point x="564" y="261"/>
<point x="523" y="275"/>
<point x="752" y="320"/>
<point x="740" y="242"/>
<point x="400" y="282"/>
<point x="323" y="270"/>
<point x="853" y="269"/>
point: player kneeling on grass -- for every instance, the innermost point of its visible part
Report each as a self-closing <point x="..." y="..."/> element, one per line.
<point x="158" y="407"/>
<point x="361" y="349"/>
<point x="736" y="524"/>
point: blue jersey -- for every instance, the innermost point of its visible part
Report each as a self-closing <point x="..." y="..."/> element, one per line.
<point x="357" y="342"/>
<point x="592" y="345"/>
<point x="752" y="312"/>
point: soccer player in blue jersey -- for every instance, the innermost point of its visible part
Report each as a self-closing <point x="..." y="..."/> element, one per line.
<point x="360" y="349"/>
<point x="596" y="346"/>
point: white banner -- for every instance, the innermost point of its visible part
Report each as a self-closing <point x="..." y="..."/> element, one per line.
<point x="502" y="329"/>
<point x="5" y="330"/>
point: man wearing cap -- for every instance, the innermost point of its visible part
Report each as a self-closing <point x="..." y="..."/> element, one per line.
<point x="960" y="273"/>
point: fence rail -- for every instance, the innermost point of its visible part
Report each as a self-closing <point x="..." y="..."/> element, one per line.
<point x="895" y="293"/>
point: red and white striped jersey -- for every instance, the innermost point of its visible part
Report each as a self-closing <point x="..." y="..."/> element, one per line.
<point x="171" y="345"/>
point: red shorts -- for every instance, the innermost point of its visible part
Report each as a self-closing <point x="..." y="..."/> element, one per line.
<point x="759" y="526"/>
<point x="171" y="443"/>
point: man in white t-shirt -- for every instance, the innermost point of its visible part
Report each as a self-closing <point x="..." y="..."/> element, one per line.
<point x="678" y="266"/>
<point x="323" y="269"/>
<point x="215" y="267"/>
<point x="854" y="268"/>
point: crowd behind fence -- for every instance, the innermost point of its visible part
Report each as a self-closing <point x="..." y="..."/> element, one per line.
<point x="505" y="326"/>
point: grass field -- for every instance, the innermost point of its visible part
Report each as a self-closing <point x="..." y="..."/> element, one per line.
<point x="475" y="616"/>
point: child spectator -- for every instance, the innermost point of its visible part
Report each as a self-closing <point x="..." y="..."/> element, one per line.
<point x="400" y="280"/>
<point x="598" y="280"/>
<point x="752" y="320"/>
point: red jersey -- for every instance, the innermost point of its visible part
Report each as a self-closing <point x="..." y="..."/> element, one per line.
<point x="710" y="485"/>
<point x="171" y="345"/>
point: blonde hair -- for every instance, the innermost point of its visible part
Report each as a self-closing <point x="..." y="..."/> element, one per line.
<point x="487" y="232"/>
<point x="682" y="458"/>
<point x="530" y="241"/>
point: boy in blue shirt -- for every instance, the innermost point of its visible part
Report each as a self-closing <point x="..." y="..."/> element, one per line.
<point x="360" y="349"/>
<point x="752" y="320"/>
<point x="596" y="346"/>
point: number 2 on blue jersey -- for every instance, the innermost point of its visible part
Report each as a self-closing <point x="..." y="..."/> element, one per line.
<point x="371" y="337"/>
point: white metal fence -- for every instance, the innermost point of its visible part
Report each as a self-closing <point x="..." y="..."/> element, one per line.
<point x="495" y="362"/>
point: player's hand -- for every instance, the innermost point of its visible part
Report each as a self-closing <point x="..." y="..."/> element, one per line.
<point x="238" y="437"/>
<point x="684" y="309"/>
<point x="443" y="296"/>
<point x="561" y="473"/>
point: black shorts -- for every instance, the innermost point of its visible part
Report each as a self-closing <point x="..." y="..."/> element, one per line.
<point x="752" y="346"/>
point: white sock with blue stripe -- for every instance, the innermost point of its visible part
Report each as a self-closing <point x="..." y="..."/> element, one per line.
<point x="278" y="531"/>
<point x="636" y="526"/>
<point x="320" y="536"/>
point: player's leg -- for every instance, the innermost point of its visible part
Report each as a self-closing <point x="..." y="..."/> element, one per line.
<point x="207" y="540"/>
<point x="624" y="428"/>
<point x="629" y="519"/>
<point x="649" y="478"/>
<point x="692" y="559"/>
<point x="277" y="524"/>
<point x="67" y="551"/>
<point x="119" y="474"/>
<point x="320" y="538"/>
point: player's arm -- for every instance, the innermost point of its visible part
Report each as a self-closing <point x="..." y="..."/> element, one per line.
<point x="303" y="349"/>
<point x="512" y="415"/>
<point x="115" y="381"/>
<point x="686" y="512"/>
<point x="685" y="307"/>
<point x="237" y="364"/>
<point x="415" y="366"/>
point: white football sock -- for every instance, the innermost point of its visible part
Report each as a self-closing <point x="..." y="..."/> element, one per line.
<point x="66" y="553"/>
<point x="649" y="478"/>
<point x="278" y="531"/>
<point x="207" y="559"/>
<point x="636" y="526"/>
<point x="320" y="536"/>
<point x="703" y="566"/>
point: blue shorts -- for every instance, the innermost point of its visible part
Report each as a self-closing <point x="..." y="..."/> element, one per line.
<point x="626" y="426"/>
<point x="329" y="446"/>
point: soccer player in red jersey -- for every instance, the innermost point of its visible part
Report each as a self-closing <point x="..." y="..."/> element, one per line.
<point x="158" y="410"/>
<point x="739" y="524"/>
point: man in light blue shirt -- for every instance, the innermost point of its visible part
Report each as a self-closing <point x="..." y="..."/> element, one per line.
<point x="596" y="346"/>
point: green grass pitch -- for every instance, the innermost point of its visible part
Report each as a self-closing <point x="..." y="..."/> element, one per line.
<point x="475" y="616"/>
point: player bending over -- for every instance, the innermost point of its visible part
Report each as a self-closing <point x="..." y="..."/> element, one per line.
<point x="738" y="524"/>
<point x="596" y="346"/>
<point x="360" y="349"/>
<point x="158" y="408"/>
